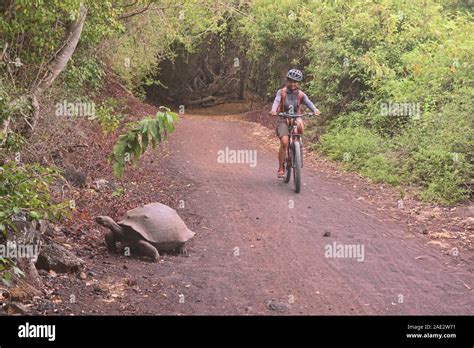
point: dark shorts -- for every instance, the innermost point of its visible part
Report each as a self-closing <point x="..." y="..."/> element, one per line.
<point x="282" y="129"/>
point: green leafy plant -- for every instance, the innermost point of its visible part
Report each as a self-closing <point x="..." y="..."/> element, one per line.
<point x="354" y="146"/>
<point x="25" y="192"/>
<point x="6" y="267"/>
<point x="86" y="72"/>
<point x="109" y="115"/>
<point x="132" y="144"/>
<point x="380" y="169"/>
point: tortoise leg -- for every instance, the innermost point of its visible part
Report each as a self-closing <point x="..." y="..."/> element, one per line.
<point x="182" y="249"/>
<point x="145" y="248"/>
<point x="110" y="242"/>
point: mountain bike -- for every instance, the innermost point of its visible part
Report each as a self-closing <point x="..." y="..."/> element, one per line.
<point x="294" y="157"/>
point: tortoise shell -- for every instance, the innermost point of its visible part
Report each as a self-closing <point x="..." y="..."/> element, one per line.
<point x="158" y="224"/>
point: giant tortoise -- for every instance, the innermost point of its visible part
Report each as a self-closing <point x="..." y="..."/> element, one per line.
<point x="146" y="230"/>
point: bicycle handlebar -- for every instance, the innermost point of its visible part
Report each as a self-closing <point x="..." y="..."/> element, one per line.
<point x="284" y="114"/>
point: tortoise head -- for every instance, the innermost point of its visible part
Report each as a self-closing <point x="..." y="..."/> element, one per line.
<point x="108" y="222"/>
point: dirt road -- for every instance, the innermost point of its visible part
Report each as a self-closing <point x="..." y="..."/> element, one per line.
<point x="257" y="241"/>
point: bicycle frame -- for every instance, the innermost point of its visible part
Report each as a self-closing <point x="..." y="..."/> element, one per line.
<point x="293" y="130"/>
<point x="294" y="156"/>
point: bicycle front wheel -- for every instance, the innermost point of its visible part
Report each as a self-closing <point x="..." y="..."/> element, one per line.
<point x="297" y="166"/>
<point x="287" y="171"/>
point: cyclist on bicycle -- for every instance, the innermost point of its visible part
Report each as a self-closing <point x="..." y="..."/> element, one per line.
<point x="289" y="99"/>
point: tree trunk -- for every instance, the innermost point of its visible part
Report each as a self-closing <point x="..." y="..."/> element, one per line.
<point x="59" y="61"/>
<point x="242" y="78"/>
<point x="55" y="66"/>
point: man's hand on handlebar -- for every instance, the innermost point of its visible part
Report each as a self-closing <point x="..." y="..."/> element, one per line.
<point x="317" y="112"/>
<point x="272" y="113"/>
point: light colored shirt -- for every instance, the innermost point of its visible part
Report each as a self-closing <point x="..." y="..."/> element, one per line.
<point x="292" y="99"/>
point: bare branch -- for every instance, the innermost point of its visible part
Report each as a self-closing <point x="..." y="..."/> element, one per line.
<point x="146" y="8"/>
<point x="131" y="14"/>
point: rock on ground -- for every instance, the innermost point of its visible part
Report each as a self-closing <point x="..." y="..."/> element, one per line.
<point x="57" y="258"/>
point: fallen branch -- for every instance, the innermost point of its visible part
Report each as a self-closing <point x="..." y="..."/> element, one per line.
<point x="210" y="99"/>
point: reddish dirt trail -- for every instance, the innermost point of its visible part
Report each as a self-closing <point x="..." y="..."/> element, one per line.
<point x="251" y="247"/>
<point x="245" y="207"/>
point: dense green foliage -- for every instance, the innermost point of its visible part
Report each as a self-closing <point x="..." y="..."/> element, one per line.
<point x="147" y="39"/>
<point x="25" y="191"/>
<point x="25" y="194"/>
<point x="393" y="79"/>
<point x="33" y="31"/>
<point x="117" y="35"/>
<point x="109" y="115"/>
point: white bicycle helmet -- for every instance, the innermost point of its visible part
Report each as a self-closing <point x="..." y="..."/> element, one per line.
<point x="295" y="74"/>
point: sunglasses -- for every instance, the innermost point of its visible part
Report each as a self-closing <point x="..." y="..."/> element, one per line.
<point x="292" y="81"/>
